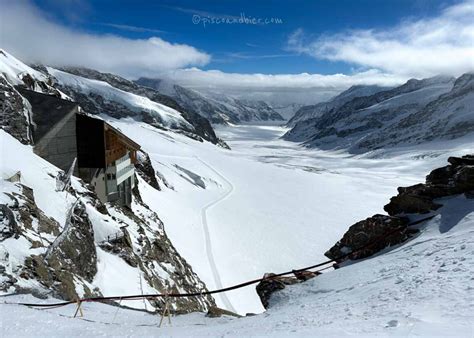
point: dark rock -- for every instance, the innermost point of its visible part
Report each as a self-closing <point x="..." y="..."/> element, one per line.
<point x="8" y="224"/>
<point x="215" y="312"/>
<point x="145" y="169"/>
<point x="15" y="118"/>
<point x="271" y="284"/>
<point x="464" y="179"/>
<point x="410" y="204"/>
<point x="456" y="178"/>
<point x="464" y="160"/>
<point x="369" y="236"/>
<point x="440" y="176"/>
<point x="76" y="244"/>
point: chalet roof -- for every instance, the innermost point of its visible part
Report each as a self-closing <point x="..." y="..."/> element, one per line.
<point x="125" y="139"/>
<point x="129" y="142"/>
<point x="48" y="110"/>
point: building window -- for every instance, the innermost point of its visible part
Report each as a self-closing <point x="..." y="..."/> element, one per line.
<point x="111" y="177"/>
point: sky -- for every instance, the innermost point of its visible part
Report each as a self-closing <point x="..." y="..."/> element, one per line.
<point x="258" y="46"/>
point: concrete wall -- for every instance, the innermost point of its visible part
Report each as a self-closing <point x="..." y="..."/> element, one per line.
<point x="58" y="146"/>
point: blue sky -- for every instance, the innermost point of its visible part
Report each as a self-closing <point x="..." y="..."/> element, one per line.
<point x="316" y="48"/>
<point x="241" y="48"/>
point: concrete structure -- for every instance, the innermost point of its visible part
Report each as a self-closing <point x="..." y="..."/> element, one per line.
<point x="105" y="156"/>
<point x="54" y="132"/>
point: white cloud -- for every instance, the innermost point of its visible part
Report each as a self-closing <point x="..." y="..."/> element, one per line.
<point x="27" y="33"/>
<point x="301" y="88"/>
<point x="414" y="48"/>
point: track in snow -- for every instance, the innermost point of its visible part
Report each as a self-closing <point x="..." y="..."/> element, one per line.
<point x="210" y="255"/>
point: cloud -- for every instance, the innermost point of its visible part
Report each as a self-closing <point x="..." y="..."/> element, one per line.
<point x="27" y="33"/>
<point x="133" y="28"/>
<point x="415" y="48"/>
<point x="300" y="88"/>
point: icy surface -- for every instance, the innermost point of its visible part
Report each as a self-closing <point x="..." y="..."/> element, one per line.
<point x="422" y="288"/>
<point x="269" y="205"/>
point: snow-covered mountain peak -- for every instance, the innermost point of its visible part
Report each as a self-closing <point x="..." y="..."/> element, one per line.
<point x="14" y="70"/>
<point x="217" y="107"/>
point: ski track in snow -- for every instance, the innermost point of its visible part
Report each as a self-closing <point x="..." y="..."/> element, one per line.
<point x="210" y="255"/>
<point x="205" y="227"/>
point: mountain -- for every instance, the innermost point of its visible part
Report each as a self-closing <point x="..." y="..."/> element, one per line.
<point x="103" y="93"/>
<point x="286" y="110"/>
<point x="313" y="111"/>
<point x="438" y="108"/>
<point x="218" y="108"/>
<point x="68" y="244"/>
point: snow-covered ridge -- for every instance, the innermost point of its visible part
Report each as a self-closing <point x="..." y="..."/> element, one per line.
<point x="405" y="115"/>
<point x="313" y="111"/>
<point x="169" y="117"/>
<point x="217" y="107"/>
<point x="14" y="70"/>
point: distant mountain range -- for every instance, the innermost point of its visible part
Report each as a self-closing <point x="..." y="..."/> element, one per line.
<point x="218" y="108"/>
<point x="367" y="118"/>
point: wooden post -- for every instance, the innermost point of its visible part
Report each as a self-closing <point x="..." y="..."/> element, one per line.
<point x="166" y="311"/>
<point x="79" y="309"/>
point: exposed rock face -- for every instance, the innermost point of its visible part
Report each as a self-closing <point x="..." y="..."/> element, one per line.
<point x="456" y="178"/>
<point x="16" y="112"/>
<point x="215" y="312"/>
<point x="64" y="259"/>
<point x="145" y="170"/>
<point x="369" y="236"/>
<point x="8" y="225"/>
<point x="74" y="249"/>
<point x="272" y="284"/>
<point x="71" y="258"/>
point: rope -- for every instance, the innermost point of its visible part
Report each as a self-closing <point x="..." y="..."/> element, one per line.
<point x="226" y="289"/>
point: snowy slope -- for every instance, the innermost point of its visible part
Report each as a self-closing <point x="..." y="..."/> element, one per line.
<point x="116" y="273"/>
<point x="166" y="116"/>
<point x="419" y="111"/>
<point x="217" y="107"/>
<point x="266" y="198"/>
<point x="16" y="73"/>
<point x="422" y="288"/>
<point x="313" y="111"/>
<point x="446" y="117"/>
<point x="13" y="69"/>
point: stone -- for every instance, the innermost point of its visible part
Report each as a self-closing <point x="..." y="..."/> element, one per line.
<point x="215" y="312"/>
<point x="270" y="284"/>
<point x="369" y="236"/>
<point x="464" y="160"/>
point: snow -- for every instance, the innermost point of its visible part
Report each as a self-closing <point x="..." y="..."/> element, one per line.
<point x="13" y="69"/>
<point x="270" y="204"/>
<point x="137" y="103"/>
<point x="421" y="288"/>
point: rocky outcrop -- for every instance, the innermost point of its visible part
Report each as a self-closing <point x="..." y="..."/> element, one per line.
<point x="272" y="283"/>
<point x="145" y="169"/>
<point x="369" y="236"/>
<point x="16" y="111"/>
<point x="62" y="260"/>
<point x="453" y="179"/>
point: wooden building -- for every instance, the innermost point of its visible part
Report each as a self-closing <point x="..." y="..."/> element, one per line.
<point x="106" y="159"/>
